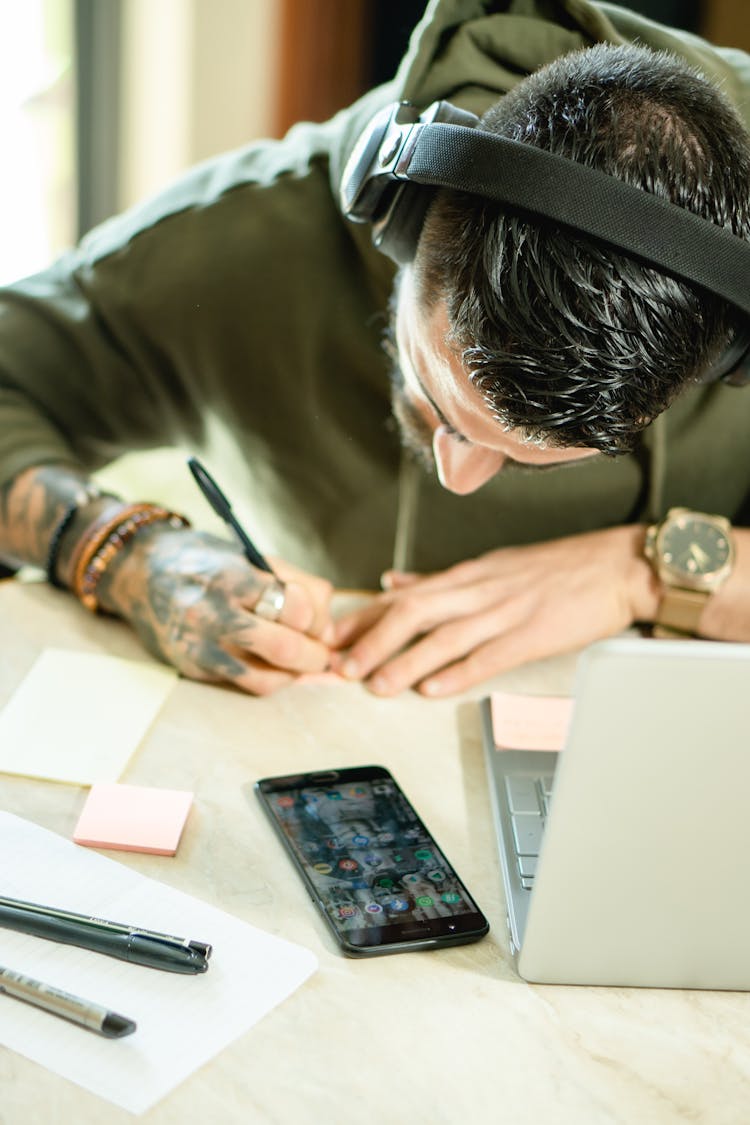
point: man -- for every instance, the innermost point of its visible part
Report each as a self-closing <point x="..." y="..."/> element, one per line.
<point x="241" y="295"/>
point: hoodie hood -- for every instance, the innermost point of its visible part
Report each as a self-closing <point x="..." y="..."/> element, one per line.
<point x="472" y="52"/>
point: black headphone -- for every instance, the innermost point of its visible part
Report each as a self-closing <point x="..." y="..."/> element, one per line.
<point x="403" y="153"/>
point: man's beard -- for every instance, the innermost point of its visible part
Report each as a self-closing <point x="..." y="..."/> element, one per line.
<point x="416" y="436"/>
<point x="414" y="433"/>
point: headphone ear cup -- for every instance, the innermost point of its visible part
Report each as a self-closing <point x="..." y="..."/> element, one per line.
<point x="371" y="189"/>
<point x="733" y="367"/>
<point x="396" y="233"/>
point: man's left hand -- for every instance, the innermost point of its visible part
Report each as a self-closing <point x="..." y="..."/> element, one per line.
<point x="445" y="632"/>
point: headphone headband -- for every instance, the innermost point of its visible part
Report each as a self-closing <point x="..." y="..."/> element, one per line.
<point x="402" y="154"/>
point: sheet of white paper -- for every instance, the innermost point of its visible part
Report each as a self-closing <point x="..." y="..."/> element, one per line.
<point x="78" y="716"/>
<point x="182" y="1020"/>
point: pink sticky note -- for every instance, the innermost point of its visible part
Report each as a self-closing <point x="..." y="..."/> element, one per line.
<point x="530" y="722"/>
<point x="133" y="818"/>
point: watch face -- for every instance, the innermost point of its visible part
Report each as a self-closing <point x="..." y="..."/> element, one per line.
<point x="695" y="547"/>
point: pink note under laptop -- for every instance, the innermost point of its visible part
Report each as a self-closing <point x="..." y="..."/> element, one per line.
<point x="530" y="722"/>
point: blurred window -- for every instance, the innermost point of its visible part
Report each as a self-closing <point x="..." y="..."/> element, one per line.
<point x="37" y="113"/>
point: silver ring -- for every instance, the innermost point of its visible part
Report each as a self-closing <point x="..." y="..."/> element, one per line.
<point x="270" y="604"/>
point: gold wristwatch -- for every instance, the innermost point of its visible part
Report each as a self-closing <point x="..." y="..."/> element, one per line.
<point x="692" y="554"/>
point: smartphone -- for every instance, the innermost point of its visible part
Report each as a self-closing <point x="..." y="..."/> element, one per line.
<point x="370" y="865"/>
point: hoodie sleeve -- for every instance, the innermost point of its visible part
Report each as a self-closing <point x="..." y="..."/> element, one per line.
<point x="189" y="302"/>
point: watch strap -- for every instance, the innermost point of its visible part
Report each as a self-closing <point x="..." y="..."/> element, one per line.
<point x="680" y="612"/>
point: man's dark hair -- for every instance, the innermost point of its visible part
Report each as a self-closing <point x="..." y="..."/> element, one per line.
<point x="570" y="342"/>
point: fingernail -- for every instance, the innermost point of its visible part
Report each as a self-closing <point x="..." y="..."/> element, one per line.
<point x="431" y="687"/>
<point x="350" y="669"/>
<point x="379" y="685"/>
<point x="328" y="635"/>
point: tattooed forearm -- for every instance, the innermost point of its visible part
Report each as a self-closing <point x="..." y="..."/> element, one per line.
<point x="32" y="506"/>
<point x="189" y="595"/>
<point x="180" y="590"/>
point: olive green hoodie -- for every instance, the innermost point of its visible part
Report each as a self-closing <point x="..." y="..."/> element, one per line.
<point x="237" y="314"/>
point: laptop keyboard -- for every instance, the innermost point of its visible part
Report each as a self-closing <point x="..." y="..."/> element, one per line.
<point x="528" y="800"/>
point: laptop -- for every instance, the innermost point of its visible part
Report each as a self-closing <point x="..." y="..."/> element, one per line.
<point x="626" y="857"/>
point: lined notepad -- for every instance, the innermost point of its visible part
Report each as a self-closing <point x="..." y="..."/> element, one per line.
<point x="182" y="1020"/>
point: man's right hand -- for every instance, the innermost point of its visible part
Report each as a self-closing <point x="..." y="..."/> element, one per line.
<point x="190" y="597"/>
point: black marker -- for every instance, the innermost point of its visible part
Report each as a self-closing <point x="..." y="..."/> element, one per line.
<point x="223" y="509"/>
<point x="83" y="1012"/>
<point x="129" y="943"/>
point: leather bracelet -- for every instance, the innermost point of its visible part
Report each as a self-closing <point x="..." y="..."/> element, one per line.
<point x="107" y="539"/>
<point x="84" y="496"/>
<point x="92" y="534"/>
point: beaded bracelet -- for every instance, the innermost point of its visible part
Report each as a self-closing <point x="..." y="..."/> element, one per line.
<point x="84" y="496"/>
<point x="107" y="538"/>
<point x="92" y="534"/>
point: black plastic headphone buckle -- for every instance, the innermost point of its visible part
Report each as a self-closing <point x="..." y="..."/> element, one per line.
<point x="369" y="169"/>
<point x="375" y="185"/>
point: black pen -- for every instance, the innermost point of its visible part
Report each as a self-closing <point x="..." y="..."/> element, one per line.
<point x="74" y="1008"/>
<point x="223" y="509"/>
<point x="129" y="943"/>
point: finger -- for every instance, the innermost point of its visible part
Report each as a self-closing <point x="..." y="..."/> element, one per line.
<point x="460" y="574"/>
<point x="353" y="625"/>
<point x="490" y="659"/>
<point x="295" y="609"/>
<point x="310" y="599"/>
<point x="523" y="644"/>
<point x="249" y="674"/>
<point x="322" y="622"/>
<point x="398" y="579"/>
<point x="407" y="618"/>
<point x="444" y="646"/>
<point x="257" y="678"/>
<point x="278" y="645"/>
<point x="212" y="660"/>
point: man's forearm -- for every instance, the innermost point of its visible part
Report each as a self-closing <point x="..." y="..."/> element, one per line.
<point x="47" y="507"/>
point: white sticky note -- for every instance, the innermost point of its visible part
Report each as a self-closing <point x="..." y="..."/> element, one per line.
<point x="78" y="716"/>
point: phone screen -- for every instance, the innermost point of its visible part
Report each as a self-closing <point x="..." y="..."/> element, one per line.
<point x="374" y="870"/>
